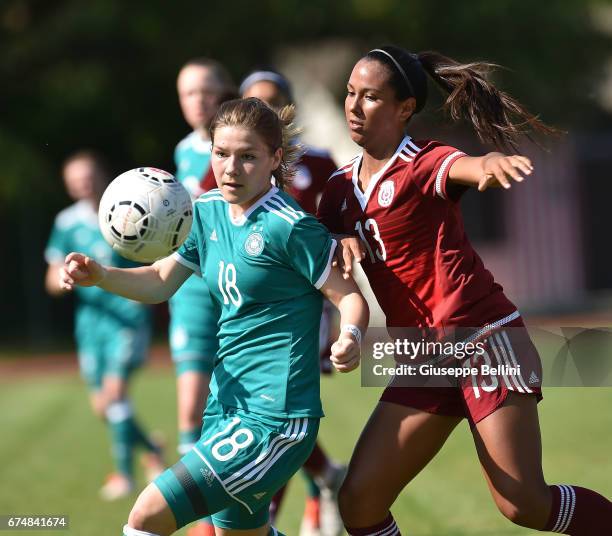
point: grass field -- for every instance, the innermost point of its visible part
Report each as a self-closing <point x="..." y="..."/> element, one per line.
<point x="54" y="454"/>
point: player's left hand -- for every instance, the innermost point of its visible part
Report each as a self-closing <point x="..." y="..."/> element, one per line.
<point x="345" y="354"/>
<point x="501" y="170"/>
<point x="349" y="248"/>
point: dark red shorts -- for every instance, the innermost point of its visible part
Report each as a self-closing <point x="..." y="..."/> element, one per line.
<point x="507" y="361"/>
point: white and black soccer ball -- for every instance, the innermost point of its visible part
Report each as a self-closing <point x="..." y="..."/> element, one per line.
<point x="145" y="214"/>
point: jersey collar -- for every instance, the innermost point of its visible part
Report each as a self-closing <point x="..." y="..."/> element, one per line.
<point x="364" y="197"/>
<point x="198" y="144"/>
<point x="242" y="219"/>
<point x="87" y="213"/>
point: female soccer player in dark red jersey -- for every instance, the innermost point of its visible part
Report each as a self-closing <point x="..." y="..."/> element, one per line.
<point x="399" y="201"/>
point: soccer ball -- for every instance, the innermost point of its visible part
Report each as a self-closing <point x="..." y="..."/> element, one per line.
<point x="145" y="214"/>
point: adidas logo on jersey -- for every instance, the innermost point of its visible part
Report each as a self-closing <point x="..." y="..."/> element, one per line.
<point x="208" y="476"/>
<point x="343" y="207"/>
<point x="259" y="495"/>
<point x="533" y="378"/>
<point x="213" y="235"/>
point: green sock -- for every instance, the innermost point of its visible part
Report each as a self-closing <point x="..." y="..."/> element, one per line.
<point x="119" y="418"/>
<point x="139" y="437"/>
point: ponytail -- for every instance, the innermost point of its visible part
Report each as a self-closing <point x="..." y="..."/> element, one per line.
<point x="496" y="117"/>
<point x="292" y="150"/>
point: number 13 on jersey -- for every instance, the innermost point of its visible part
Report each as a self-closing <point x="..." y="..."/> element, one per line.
<point x="380" y="253"/>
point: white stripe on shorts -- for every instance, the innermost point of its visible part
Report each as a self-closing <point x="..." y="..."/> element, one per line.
<point x="195" y="449"/>
<point x="512" y="355"/>
<point x="263" y="455"/>
<point x="501" y="362"/>
<point x="271" y="462"/>
<point x="282" y="447"/>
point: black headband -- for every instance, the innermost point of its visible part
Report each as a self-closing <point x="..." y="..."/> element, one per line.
<point x="399" y="68"/>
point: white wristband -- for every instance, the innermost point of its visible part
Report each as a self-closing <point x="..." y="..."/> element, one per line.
<point x="353" y="330"/>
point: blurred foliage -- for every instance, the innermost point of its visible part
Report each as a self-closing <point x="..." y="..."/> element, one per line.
<point x="101" y="73"/>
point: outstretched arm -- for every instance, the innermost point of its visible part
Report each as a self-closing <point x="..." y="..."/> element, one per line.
<point x="354" y="318"/>
<point x="491" y="170"/>
<point x="147" y="284"/>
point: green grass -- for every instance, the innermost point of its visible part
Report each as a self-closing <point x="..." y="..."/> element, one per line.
<point x="54" y="455"/>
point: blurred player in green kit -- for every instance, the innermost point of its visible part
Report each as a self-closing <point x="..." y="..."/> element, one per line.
<point x="202" y="85"/>
<point x="112" y="333"/>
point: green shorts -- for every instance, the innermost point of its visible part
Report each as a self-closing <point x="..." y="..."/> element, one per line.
<point x="236" y="467"/>
<point x="108" y="351"/>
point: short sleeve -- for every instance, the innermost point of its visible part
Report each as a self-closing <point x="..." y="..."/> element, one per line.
<point x="330" y="206"/>
<point x="430" y="170"/>
<point x="310" y="249"/>
<point x="190" y="252"/>
<point x="57" y="246"/>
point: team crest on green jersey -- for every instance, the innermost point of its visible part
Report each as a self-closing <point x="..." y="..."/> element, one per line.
<point x="254" y="244"/>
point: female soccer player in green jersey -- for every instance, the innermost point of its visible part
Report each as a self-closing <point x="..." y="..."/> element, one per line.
<point x="268" y="265"/>
<point x="111" y="333"/>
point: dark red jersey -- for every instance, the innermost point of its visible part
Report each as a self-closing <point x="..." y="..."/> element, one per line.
<point x="208" y="181"/>
<point x="313" y="170"/>
<point x="419" y="262"/>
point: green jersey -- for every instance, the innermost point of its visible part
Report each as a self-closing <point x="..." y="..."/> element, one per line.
<point x="193" y="317"/>
<point x="192" y="159"/>
<point x="76" y="229"/>
<point x="264" y="271"/>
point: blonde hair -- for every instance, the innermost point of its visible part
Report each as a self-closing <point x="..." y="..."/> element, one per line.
<point x="277" y="130"/>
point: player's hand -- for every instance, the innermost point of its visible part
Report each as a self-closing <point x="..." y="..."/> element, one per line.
<point x="80" y="270"/>
<point x="501" y="170"/>
<point x="349" y="248"/>
<point x="345" y="354"/>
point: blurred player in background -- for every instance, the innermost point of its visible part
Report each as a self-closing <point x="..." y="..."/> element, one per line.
<point x="321" y="515"/>
<point x="112" y="333"/>
<point x="202" y="85"/>
<point x="401" y="197"/>
<point x="268" y="265"/>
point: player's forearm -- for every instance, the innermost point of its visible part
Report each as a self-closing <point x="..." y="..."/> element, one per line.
<point x="146" y="284"/>
<point x="142" y="284"/>
<point x="354" y="311"/>
<point x="347" y="298"/>
<point x="468" y="170"/>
